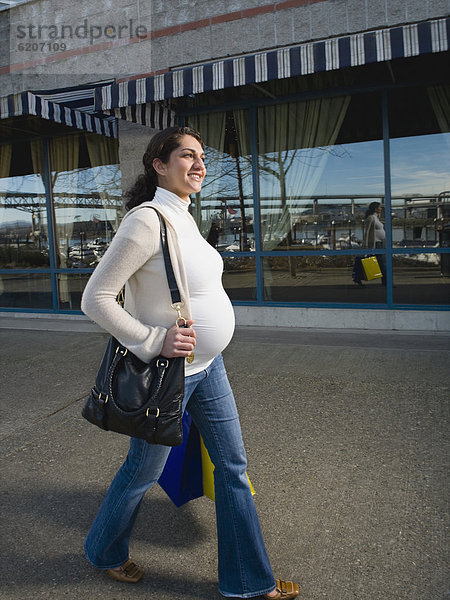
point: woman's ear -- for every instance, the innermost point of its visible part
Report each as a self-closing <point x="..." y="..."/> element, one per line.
<point x="159" y="166"/>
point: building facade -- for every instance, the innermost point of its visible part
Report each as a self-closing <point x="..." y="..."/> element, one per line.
<point x="311" y="112"/>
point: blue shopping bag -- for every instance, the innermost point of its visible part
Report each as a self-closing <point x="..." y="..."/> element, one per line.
<point x="189" y="472"/>
<point x="182" y="475"/>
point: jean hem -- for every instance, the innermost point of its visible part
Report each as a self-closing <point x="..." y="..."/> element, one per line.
<point x="249" y="594"/>
<point x="112" y="566"/>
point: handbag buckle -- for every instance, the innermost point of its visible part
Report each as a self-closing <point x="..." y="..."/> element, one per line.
<point x="157" y="412"/>
<point x="178" y="306"/>
<point x="122" y="351"/>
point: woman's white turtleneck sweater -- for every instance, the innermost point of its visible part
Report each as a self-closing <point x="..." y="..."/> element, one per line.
<point x="135" y="258"/>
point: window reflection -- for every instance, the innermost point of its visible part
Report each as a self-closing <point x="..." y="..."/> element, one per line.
<point x="23" y="215"/>
<point x="420" y="167"/>
<point x="224" y="208"/>
<point x="239" y="277"/>
<point x="317" y="279"/>
<point x="25" y="290"/>
<point x="422" y="278"/>
<point x="70" y="290"/>
<point x="87" y="197"/>
<point x="320" y="166"/>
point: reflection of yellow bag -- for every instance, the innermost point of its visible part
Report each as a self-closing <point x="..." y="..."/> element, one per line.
<point x="371" y="268"/>
<point x="208" y="473"/>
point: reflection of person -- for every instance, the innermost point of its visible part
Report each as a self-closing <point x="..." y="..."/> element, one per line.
<point x="213" y="235"/>
<point x="174" y="169"/>
<point x="374" y="234"/>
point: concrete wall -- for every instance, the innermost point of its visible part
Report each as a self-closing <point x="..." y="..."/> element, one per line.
<point x="133" y="140"/>
<point x="175" y="33"/>
<point x="339" y="318"/>
<point x="257" y="316"/>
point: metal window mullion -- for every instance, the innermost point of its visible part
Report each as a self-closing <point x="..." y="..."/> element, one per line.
<point x="50" y="221"/>
<point x="387" y="198"/>
<point x="256" y="214"/>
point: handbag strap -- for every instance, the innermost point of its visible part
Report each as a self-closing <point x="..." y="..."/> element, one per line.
<point x="173" y="287"/>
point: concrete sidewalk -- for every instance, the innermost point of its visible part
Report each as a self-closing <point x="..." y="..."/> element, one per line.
<point x="347" y="441"/>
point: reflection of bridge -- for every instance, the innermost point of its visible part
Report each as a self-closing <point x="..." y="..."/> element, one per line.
<point x="34" y="201"/>
<point x="349" y="206"/>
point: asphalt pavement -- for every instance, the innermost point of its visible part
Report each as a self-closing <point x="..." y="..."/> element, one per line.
<point x="347" y="442"/>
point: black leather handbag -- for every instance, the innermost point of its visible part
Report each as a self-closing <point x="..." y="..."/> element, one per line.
<point x="139" y="399"/>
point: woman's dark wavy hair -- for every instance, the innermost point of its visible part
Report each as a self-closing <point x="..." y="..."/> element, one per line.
<point x="161" y="146"/>
<point x="372" y="208"/>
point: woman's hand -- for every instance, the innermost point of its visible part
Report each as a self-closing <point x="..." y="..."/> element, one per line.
<point x="180" y="341"/>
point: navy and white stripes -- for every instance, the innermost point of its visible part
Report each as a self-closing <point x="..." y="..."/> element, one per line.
<point x="331" y="54"/>
<point x="151" y="114"/>
<point x="27" y="103"/>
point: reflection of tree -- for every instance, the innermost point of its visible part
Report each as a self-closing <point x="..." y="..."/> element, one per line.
<point x="243" y="242"/>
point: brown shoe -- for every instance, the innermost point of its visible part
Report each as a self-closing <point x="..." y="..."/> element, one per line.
<point x="286" y="590"/>
<point x="128" y="572"/>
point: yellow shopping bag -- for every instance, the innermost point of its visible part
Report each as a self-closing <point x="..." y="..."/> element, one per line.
<point x="371" y="268"/>
<point x="189" y="472"/>
<point x="208" y="474"/>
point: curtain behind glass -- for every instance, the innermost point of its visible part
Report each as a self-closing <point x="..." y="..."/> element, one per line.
<point x="64" y="161"/>
<point x="5" y="160"/>
<point x="212" y="129"/>
<point x="294" y="141"/>
<point x="5" y="166"/>
<point x="440" y="101"/>
<point x="104" y="159"/>
<point x="243" y="161"/>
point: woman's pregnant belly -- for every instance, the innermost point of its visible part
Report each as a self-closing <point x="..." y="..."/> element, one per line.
<point x="214" y="327"/>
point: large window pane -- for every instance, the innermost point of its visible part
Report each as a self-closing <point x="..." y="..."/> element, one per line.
<point x="224" y="208"/>
<point x="70" y="290"/>
<point x="320" y="166"/>
<point x="317" y="279"/>
<point x="420" y="167"/>
<point x="23" y="216"/>
<point x="25" y="290"/>
<point x="87" y="197"/>
<point x="239" y="277"/>
<point x="421" y="278"/>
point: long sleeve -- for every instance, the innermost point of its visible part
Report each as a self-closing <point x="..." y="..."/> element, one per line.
<point x="369" y="236"/>
<point x="136" y="241"/>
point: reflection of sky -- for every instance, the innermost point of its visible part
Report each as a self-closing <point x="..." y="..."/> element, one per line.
<point x="420" y="165"/>
<point x="355" y="169"/>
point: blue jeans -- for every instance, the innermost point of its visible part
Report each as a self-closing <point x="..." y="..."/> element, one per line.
<point x="244" y="567"/>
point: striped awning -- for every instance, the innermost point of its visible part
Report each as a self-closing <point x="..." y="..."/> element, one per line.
<point x="75" y="107"/>
<point x="29" y="103"/>
<point x="326" y="55"/>
<point x="151" y="114"/>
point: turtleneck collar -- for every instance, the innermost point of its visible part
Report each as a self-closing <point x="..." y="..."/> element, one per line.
<point x="164" y="198"/>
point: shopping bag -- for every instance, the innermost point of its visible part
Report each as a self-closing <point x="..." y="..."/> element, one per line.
<point x="189" y="471"/>
<point x="371" y="268"/>
<point x="208" y="474"/>
<point x="358" y="272"/>
<point x="182" y="475"/>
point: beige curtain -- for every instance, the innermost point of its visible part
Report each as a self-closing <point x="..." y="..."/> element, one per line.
<point x="243" y="161"/>
<point x="5" y="160"/>
<point x="64" y="164"/>
<point x="440" y="100"/>
<point x="37" y="157"/>
<point x="103" y="152"/>
<point x="212" y="129"/>
<point x="294" y="144"/>
<point x="5" y="166"/>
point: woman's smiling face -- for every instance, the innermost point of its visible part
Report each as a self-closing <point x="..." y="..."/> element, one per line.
<point x="185" y="170"/>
